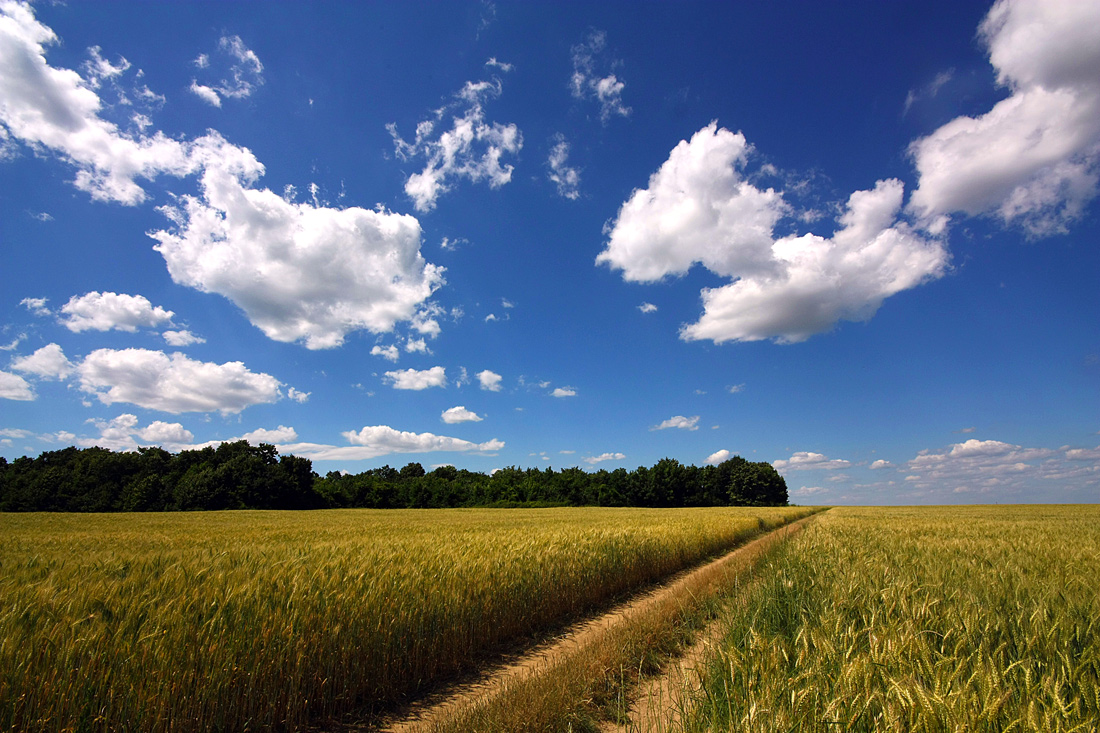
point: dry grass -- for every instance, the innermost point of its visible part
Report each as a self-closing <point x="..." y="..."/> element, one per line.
<point x="269" y="620"/>
<point x="932" y="619"/>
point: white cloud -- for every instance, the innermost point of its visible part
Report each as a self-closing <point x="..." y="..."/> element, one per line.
<point x="49" y="362"/>
<point x="298" y="396"/>
<point x="14" y="387"/>
<point x="679" y="422"/>
<point x="380" y="440"/>
<point x="699" y="209"/>
<point x="1034" y="158"/>
<point x="278" y="436"/>
<point x="593" y="460"/>
<point x="717" y="457"/>
<point x="459" y="414"/>
<point x="490" y="381"/>
<point x="602" y="86"/>
<point x="417" y="380"/>
<point x="58" y="109"/>
<point x="98" y="69"/>
<point x="123" y="434"/>
<point x="974" y="447"/>
<point x="206" y="94"/>
<point x="36" y="306"/>
<point x="1083" y="454"/>
<point x="105" y="311"/>
<point x="881" y="464"/>
<point x="243" y="72"/>
<point x="156" y="381"/>
<point x="809" y="491"/>
<point x="565" y="177"/>
<point x="386" y="352"/>
<point x="14" y="343"/>
<point x="315" y="274"/>
<point x="992" y="465"/>
<point x="807" y="461"/>
<point x="929" y="91"/>
<point x="736" y="388"/>
<point x="492" y="63"/>
<point x="564" y="392"/>
<point x="472" y="148"/>
<point x="182" y="337"/>
<point x="417" y="346"/>
<point x="647" y="308"/>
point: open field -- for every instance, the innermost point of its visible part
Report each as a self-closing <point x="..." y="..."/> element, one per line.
<point x="916" y="619"/>
<point x="270" y="620"/>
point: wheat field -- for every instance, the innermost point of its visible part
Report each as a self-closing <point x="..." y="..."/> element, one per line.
<point x="269" y="620"/>
<point x="917" y="619"/>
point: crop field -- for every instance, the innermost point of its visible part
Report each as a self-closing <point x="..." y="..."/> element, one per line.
<point x="917" y="619"/>
<point x="271" y="620"/>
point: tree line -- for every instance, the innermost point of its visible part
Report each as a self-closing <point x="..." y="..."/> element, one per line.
<point x="239" y="475"/>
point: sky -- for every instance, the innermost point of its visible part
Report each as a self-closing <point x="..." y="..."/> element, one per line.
<point x="858" y="241"/>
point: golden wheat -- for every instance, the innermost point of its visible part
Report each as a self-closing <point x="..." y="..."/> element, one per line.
<point x="267" y="620"/>
<point x="931" y="619"/>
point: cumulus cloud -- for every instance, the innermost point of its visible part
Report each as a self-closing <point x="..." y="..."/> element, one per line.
<point x="992" y="465"/>
<point x="680" y="422"/>
<point x="124" y="434"/>
<point x="717" y="457"/>
<point x="276" y="436"/>
<point x="880" y="463"/>
<point x="173" y="383"/>
<point x="182" y="338"/>
<point x="389" y="353"/>
<point x="97" y="311"/>
<point x="59" y="110"/>
<point x="490" y="381"/>
<point x="593" y="78"/>
<point x="593" y="460"/>
<point x="459" y="414"/>
<point x="380" y="440"/>
<point x="565" y="177"/>
<point x="206" y="94"/>
<point x="564" y="392"/>
<point x="316" y="273"/>
<point x="417" y="379"/>
<point x="1034" y="158"/>
<point x="37" y="306"/>
<point x="472" y="148"/>
<point x="49" y="362"/>
<point x="14" y="387"/>
<point x="807" y="461"/>
<point x="647" y="308"/>
<point x="699" y="209"/>
<point x="243" y="72"/>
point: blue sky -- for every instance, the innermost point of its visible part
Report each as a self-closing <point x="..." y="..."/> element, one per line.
<point x="857" y="241"/>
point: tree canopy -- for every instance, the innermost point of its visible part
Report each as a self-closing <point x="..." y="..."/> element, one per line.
<point x="239" y="475"/>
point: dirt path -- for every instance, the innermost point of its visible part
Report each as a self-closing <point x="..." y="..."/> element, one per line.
<point x="439" y="707"/>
